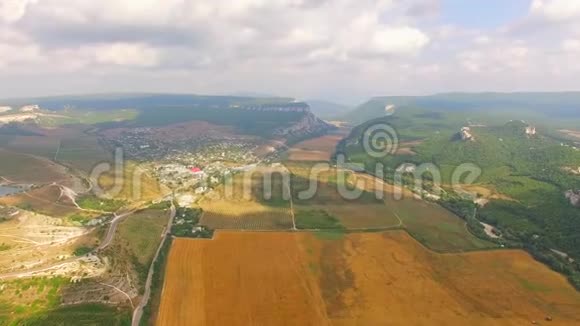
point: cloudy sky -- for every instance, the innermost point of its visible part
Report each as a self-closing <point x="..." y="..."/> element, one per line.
<point x="346" y="50"/>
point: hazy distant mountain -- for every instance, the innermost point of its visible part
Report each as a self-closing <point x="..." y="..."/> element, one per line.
<point x="252" y="94"/>
<point x="268" y="117"/>
<point x="327" y="110"/>
<point x="144" y="100"/>
<point x="562" y="105"/>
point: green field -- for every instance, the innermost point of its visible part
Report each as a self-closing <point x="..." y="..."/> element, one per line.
<point x="141" y="232"/>
<point x="100" y="204"/>
<point x="87" y="314"/>
<point x="316" y="219"/>
<point x="139" y="236"/>
<point x="436" y="227"/>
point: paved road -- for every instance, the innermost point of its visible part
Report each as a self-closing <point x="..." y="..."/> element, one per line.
<point x="113" y="229"/>
<point x="138" y="312"/>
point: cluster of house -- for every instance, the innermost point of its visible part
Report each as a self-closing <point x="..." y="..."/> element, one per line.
<point x="178" y="175"/>
<point x="236" y="151"/>
<point x="283" y="107"/>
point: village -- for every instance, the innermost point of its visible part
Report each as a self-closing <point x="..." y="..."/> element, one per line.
<point x="193" y="174"/>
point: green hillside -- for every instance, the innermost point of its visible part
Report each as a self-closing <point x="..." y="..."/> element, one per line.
<point x="561" y="109"/>
<point x="526" y="171"/>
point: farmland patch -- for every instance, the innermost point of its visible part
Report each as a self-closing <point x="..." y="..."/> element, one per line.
<point x="365" y="278"/>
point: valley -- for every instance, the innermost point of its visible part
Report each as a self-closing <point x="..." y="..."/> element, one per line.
<point x="133" y="220"/>
<point x="289" y="162"/>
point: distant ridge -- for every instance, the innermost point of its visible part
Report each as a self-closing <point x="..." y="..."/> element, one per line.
<point x="142" y="101"/>
<point x="553" y="104"/>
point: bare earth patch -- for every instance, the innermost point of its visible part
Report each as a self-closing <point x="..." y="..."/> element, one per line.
<point x="572" y="133"/>
<point x="317" y="149"/>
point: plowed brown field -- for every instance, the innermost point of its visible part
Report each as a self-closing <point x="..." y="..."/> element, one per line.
<point x="363" y="279"/>
<point x="317" y="149"/>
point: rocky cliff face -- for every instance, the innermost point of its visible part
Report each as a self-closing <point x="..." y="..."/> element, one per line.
<point x="308" y="125"/>
<point x="465" y="134"/>
<point x="574" y="197"/>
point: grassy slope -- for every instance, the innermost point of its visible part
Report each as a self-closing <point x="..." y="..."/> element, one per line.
<point x="541" y="108"/>
<point x="140" y="236"/>
<point x="527" y="170"/>
<point x="89" y="314"/>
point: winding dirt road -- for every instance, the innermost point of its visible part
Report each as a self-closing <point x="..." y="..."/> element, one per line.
<point x="138" y="312"/>
<point x="114" y="223"/>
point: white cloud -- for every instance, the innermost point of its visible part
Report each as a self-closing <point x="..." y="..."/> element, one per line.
<point x="300" y="36"/>
<point x="431" y="69"/>
<point x="556" y="10"/>
<point x="482" y="40"/>
<point x="495" y="58"/>
<point x="16" y="49"/>
<point x="19" y="54"/>
<point x="571" y="45"/>
<point x="402" y="41"/>
<point x="13" y="10"/>
<point x="126" y="54"/>
<point x="288" y="47"/>
<point x="229" y="32"/>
